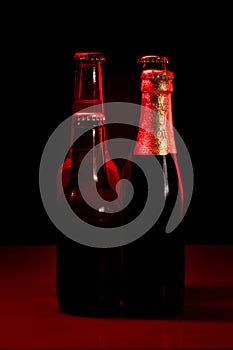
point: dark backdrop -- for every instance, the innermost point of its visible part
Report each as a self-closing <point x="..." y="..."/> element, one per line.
<point x="39" y="66"/>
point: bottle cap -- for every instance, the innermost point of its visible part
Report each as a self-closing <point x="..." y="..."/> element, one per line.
<point x="89" y="56"/>
<point x="153" y="59"/>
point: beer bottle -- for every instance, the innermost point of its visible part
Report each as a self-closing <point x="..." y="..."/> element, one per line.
<point x="89" y="276"/>
<point x="154" y="264"/>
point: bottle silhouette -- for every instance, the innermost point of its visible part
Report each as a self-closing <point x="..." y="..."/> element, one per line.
<point x="88" y="278"/>
<point x="154" y="264"/>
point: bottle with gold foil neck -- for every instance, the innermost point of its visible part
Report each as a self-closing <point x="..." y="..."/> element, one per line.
<point x="154" y="264"/>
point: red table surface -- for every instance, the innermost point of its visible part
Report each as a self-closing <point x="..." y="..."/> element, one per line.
<point x="30" y="317"/>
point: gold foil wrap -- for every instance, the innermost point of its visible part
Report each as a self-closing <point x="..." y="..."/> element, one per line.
<point x="153" y="80"/>
<point x="156" y="134"/>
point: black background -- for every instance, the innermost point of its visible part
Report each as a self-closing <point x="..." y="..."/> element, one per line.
<point x="38" y="54"/>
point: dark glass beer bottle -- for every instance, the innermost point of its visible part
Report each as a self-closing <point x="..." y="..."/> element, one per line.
<point x="89" y="277"/>
<point x="154" y="264"/>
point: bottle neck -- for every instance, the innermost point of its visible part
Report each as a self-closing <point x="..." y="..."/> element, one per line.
<point x="88" y="86"/>
<point x="88" y="96"/>
<point x="156" y="133"/>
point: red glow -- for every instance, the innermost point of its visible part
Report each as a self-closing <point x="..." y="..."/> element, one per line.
<point x="101" y="97"/>
<point x="30" y="318"/>
<point x="181" y="189"/>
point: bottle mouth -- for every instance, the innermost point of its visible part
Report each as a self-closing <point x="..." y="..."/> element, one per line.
<point x="89" y="56"/>
<point x="153" y="61"/>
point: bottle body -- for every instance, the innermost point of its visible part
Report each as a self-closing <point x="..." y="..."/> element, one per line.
<point x="89" y="277"/>
<point x="154" y="264"/>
